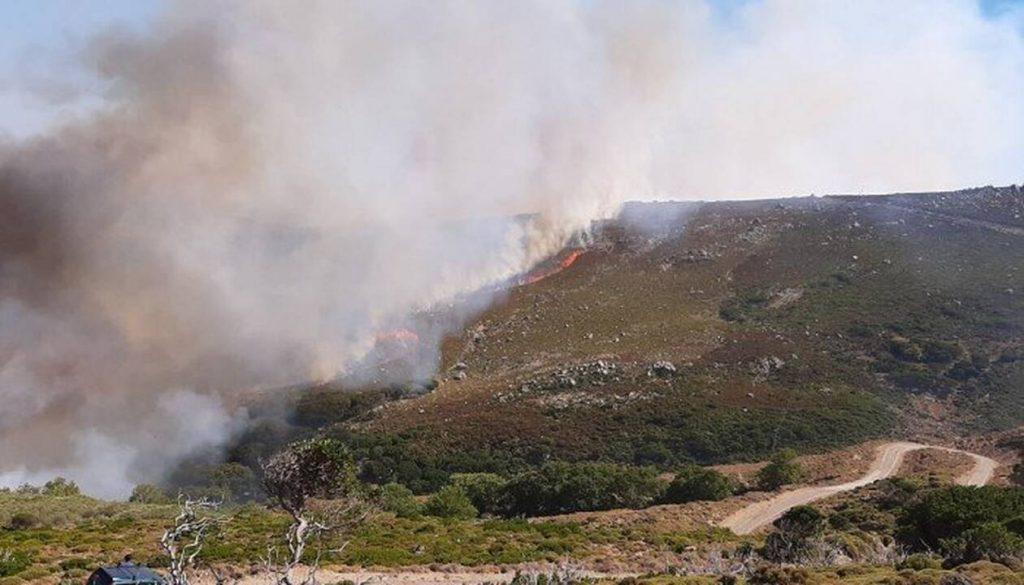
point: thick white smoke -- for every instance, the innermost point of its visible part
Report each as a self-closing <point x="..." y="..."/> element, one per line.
<point x="274" y="185"/>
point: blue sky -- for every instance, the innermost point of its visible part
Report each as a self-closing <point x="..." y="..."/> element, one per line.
<point x="36" y="33"/>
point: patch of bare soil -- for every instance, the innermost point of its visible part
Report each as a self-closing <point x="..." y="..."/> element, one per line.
<point x="831" y="467"/>
<point x="943" y="466"/>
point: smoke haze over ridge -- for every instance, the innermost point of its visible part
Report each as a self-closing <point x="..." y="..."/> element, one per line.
<point x="268" y="189"/>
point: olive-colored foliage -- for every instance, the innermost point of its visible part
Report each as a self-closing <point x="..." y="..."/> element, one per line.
<point x="485" y="490"/>
<point x="694" y="483"/>
<point x="315" y="468"/>
<point x="399" y="500"/>
<point x="966" y="523"/>
<point x="795" y="535"/>
<point x="921" y="562"/>
<point x="61" y="487"/>
<point x="991" y="541"/>
<point x="776" y="575"/>
<point x="229" y="482"/>
<point x="1017" y="475"/>
<point x="782" y="470"/>
<point x="321" y="407"/>
<point x="801" y="522"/>
<point x="22" y="521"/>
<point x="561" y="487"/>
<point x="450" y="502"/>
<point x="146" y="493"/>
<point x="13" y="562"/>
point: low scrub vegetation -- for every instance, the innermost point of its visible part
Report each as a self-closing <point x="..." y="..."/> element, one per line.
<point x="560" y="487"/>
<point x="967" y="524"/>
<point x="781" y="470"/>
<point x="694" y="483"/>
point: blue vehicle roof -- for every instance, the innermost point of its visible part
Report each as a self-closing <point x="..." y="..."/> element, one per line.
<point x="127" y="573"/>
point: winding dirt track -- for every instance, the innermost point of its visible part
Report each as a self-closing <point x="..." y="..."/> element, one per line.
<point x="887" y="463"/>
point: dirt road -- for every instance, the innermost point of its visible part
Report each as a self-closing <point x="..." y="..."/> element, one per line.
<point x="886" y="463"/>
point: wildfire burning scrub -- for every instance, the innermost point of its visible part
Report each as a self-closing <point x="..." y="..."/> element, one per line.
<point x="290" y="289"/>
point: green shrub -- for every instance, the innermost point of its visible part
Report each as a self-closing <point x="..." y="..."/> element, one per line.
<point x="75" y="563"/>
<point x="450" y="502"/>
<point x="13" y="562"/>
<point x="991" y="541"/>
<point x="945" y="514"/>
<point x="321" y="407"/>
<point x="485" y="490"/>
<point x="23" y="521"/>
<point x="1017" y="475"/>
<point x="921" y="562"/>
<point x="940" y="352"/>
<point x="695" y="483"/>
<point x="776" y="575"/>
<point x="236" y="482"/>
<point x="61" y="487"/>
<point x="399" y="500"/>
<point x="801" y="522"/>
<point x="320" y="468"/>
<point x="561" y="487"/>
<point x="905" y="349"/>
<point x="146" y="493"/>
<point x="783" y="470"/>
<point x="743" y="306"/>
<point x="795" y="536"/>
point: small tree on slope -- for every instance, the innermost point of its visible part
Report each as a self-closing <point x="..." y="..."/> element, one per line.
<point x="321" y="469"/>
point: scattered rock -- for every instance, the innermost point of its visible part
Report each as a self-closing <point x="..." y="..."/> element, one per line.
<point x="763" y="368"/>
<point x="662" y="369"/>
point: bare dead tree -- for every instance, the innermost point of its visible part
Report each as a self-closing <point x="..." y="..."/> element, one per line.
<point x="320" y="469"/>
<point x="183" y="542"/>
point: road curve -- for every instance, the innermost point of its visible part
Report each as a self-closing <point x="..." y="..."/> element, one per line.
<point x="887" y="462"/>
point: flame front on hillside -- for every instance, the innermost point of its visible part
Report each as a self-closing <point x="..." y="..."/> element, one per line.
<point x="544" y="271"/>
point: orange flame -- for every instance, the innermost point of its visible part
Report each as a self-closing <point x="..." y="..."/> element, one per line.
<point x="566" y="262"/>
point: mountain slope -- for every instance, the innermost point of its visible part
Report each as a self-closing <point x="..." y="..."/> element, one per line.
<point x="810" y="323"/>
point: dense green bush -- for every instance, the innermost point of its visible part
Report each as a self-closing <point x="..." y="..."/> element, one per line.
<point x="485" y="490"/>
<point x="399" y="500"/>
<point x="561" y="487"/>
<point x="782" y="470"/>
<point x="801" y="522"/>
<point x="227" y="482"/>
<point x="991" y="541"/>
<point x="695" y="483"/>
<point x="314" y="468"/>
<point x="61" y="487"/>
<point x="450" y="502"/>
<point x="322" y="407"/>
<point x="387" y="458"/>
<point x="146" y="493"/>
<point x="795" y="537"/>
<point x="921" y="561"/>
<point x="23" y="521"/>
<point x="964" y="523"/>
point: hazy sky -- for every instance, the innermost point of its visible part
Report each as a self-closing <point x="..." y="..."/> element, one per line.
<point x="37" y="34"/>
